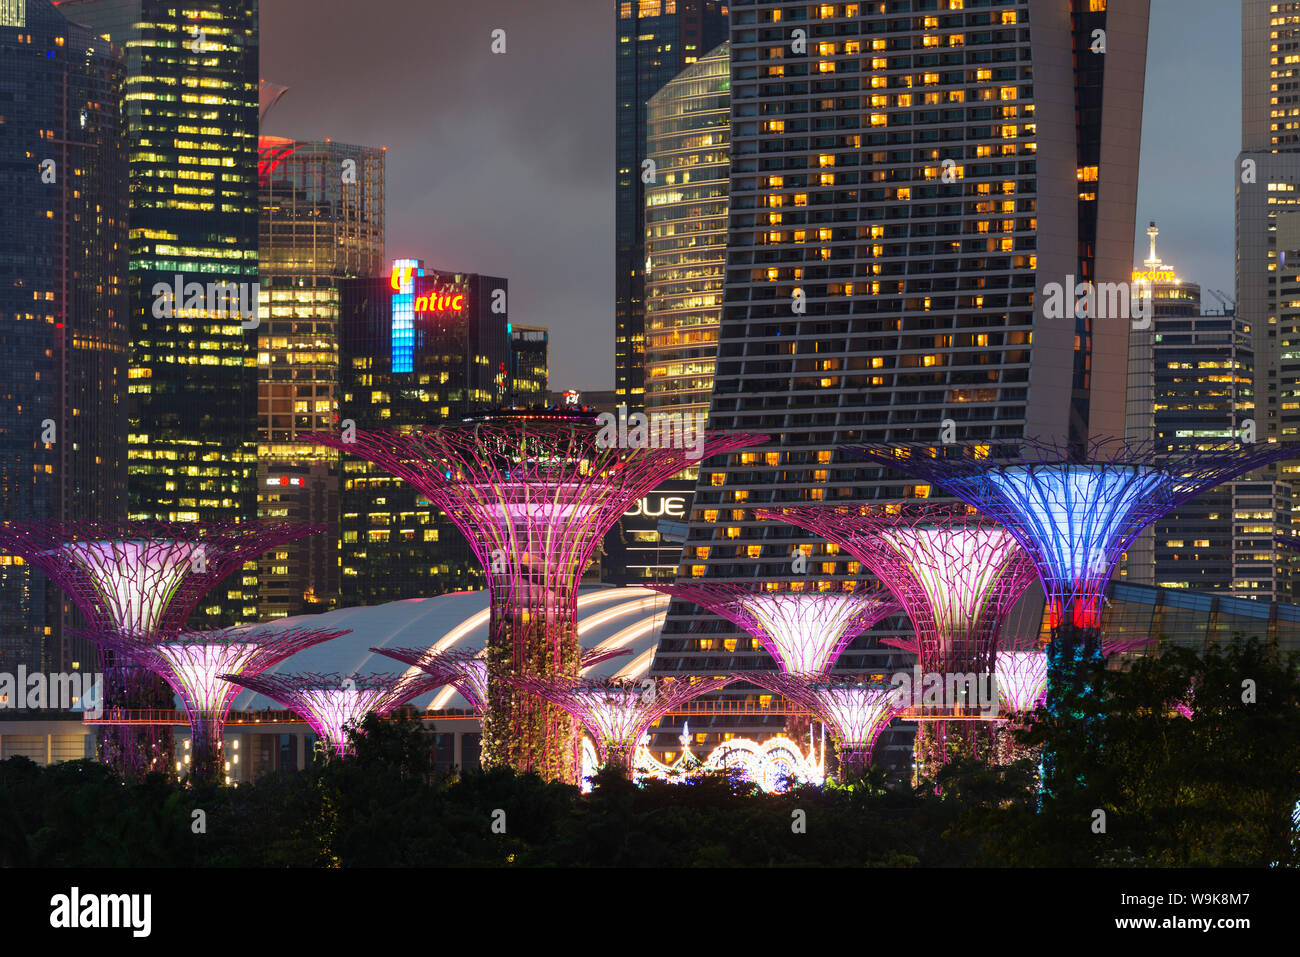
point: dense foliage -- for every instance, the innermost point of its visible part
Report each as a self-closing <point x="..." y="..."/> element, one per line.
<point x="1217" y="790"/>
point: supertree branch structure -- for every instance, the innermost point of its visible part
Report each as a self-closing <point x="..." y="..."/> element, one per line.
<point x="466" y="668"/>
<point x="805" y="631"/>
<point x="618" y="712"/>
<point x="1074" y="510"/>
<point x="139" y="579"/>
<point x="533" y="499"/>
<point x="856" y="713"/>
<point x="956" y="574"/>
<point x="192" y="663"/>
<point x="332" y="703"/>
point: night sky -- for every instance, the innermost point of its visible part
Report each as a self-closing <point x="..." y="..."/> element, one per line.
<point x="504" y="164"/>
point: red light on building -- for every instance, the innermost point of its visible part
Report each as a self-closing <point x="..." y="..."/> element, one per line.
<point x="441" y="301"/>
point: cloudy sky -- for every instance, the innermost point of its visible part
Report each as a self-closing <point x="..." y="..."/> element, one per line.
<point x="505" y="163"/>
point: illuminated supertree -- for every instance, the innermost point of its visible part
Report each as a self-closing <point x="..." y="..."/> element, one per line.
<point x="1074" y="510"/>
<point x="617" y="712"/>
<point x="805" y="631"/>
<point x="466" y="668"/>
<point x="533" y="496"/>
<point x="955" y="573"/>
<point x="856" y="713"/>
<point x="139" y="579"/>
<point x="194" y="664"/>
<point x="333" y="703"/>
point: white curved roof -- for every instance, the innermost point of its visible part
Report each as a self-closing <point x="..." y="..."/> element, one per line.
<point x="608" y="617"/>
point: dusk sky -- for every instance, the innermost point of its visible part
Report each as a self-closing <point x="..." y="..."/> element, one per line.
<point x="504" y="164"/>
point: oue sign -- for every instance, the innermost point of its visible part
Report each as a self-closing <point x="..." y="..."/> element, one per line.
<point x="668" y="506"/>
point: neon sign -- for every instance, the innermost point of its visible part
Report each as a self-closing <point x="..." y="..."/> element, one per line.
<point x="441" y="301"/>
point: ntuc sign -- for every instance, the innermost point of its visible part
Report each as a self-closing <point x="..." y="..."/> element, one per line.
<point x="440" y="300"/>
<point x="443" y="302"/>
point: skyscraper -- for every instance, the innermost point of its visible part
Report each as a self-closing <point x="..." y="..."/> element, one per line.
<point x="191" y="107"/>
<point x="418" y="348"/>
<point x="656" y="40"/>
<point x="63" y="306"/>
<point x="686" y="233"/>
<point x="529" y="365"/>
<point x="322" y="221"/>
<point x="886" y="265"/>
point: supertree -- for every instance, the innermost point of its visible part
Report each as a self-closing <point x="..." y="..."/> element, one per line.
<point x="617" y="712"/>
<point x="193" y="663"/>
<point x="466" y="668"/>
<point x="805" y="631"/>
<point x="533" y="497"/>
<point x="856" y="713"/>
<point x="955" y="573"/>
<point x="139" y="579"/>
<point x="1075" y="510"/>
<point x="332" y="703"/>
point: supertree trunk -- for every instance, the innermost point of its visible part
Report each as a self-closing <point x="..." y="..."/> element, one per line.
<point x="136" y="750"/>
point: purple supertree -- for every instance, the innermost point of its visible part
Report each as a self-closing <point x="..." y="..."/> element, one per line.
<point x="955" y="573"/>
<point x="1074" y="510"/>
<point x="195" y="664"/>
<point x="618" y="712"/>
<point x="805" y="631"/>
<point x="333" y="703"/>
<point x="466" y="668"/>
<point x="856" y="713"/>
<point x="533" y="498"/>
<point x="139" y="579"/>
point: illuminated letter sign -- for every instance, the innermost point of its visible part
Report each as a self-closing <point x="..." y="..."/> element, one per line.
<point x="671" y="506"/>
<point x="441" y="302"/>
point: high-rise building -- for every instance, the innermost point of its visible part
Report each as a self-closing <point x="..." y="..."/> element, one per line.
<point x="885" y="265"/>
<point x="191" y="106"/>
<point x="418" y="348"/>
<point x="322" y="221"/>
<point x="656" y="40"/>
<point x="63" y="306"/>
<point x="529" y="365"/>
<point x="686" y="233"/>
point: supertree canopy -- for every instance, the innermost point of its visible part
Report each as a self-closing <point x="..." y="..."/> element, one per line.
<point x="617" y="712"/>
<point x="333" y="703"/>
<point x="466" y="668"/>
<point x="139" y="579"/>
<point x="856" y="713"/>
<point x="192" y="663"/>
<point x="805" y="631"/>
<point x="533" y="498"/>
<point x="957" y="575"/>
<point x="1074" y="510"/>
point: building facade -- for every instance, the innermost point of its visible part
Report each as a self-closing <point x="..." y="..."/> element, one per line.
<point x="418" y="348"/>
<point x="885" y="265"/>
<point x="191" y="106"/>
<point x="322" y="221"/>
<point x="530" y="374"/>
<point x="656" y="40"/>
<point x="63" y="307"/>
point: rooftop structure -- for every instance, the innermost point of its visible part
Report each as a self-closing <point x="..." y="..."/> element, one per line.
<point x="533" y="496"/>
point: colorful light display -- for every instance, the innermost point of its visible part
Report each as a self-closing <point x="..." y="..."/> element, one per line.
<point x="193" y="663"/>
<point x="805" y="631"/>
<point x="466" y="668"/>
<point x="331" y="704"/>
<point x="533" y="494"/>
<point x="1074" y="511"/>
<point x="618" y="712"/>
<point x="139" y="579"/>
<point x="855" y="713"/>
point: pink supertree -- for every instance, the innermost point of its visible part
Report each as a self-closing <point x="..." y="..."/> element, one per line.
<point x="805" y="631"/>
<point x="955" y="573"/>
<point x="533" y="496"/>
<point x="139" y="579"/>
<point x="618" y="712"/>
<point x="856" y="713"/>
<point x="332" y="703"/>
<point x="193" y="664"/>
<point x="466" y="668"/>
